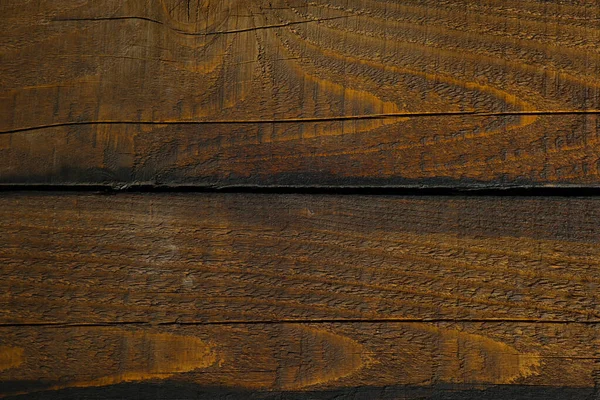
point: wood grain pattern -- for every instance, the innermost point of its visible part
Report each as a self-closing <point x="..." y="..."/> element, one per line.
<point x="299" y="294"/>
<point x="288" y="92"/>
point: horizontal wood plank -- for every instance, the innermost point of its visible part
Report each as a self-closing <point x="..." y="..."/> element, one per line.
<point x="305" y="295"/>
<point x="301" y="357"/>
<point x="289" y="92"/>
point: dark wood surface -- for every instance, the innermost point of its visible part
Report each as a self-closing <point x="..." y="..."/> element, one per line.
<point x="171" y="296"/>
<point x="245" y="92"/>
<point x="233" y="295"/>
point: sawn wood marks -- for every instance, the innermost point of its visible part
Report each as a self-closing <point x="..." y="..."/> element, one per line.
<point x="300" y="93"/>
<point x="356" y="257"/>
<point x="293" y="294"/>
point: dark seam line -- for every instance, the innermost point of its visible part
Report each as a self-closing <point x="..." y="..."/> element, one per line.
<point x="476" y="190"/>
<point x="182" y="32"/>
<point x="312" y="119"/>
<point x="99" y="19"/>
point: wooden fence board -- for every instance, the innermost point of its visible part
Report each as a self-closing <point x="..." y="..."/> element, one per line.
<point x="298" y="296"/>
<point x="337" y="93"/>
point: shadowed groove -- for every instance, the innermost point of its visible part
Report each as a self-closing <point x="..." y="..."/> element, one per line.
<point x="481" y="114"/>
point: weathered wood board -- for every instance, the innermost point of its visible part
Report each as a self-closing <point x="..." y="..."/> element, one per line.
<point x="323" y="93"/>
<point x="172" y="296"/>
<point x="285" y="296"/>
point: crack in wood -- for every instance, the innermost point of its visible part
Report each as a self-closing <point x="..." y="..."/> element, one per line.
<point x="233" y="31"/>
<point x="479" y="114"/>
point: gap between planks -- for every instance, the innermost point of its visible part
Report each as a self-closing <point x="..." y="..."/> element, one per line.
<point x="483" y="190"/>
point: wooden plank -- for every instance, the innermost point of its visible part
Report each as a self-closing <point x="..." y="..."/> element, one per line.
<point x="300" y="93"/>
<point x="300" y="296"/>
<point x="303" y="358"/>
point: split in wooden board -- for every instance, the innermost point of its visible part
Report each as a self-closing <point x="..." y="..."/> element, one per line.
<point x="300" y="294"/>
<point x="247" y="92"/>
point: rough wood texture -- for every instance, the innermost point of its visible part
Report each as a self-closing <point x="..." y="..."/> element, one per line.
<point x="298" y="296"/>
<point x="300" y="93"/>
